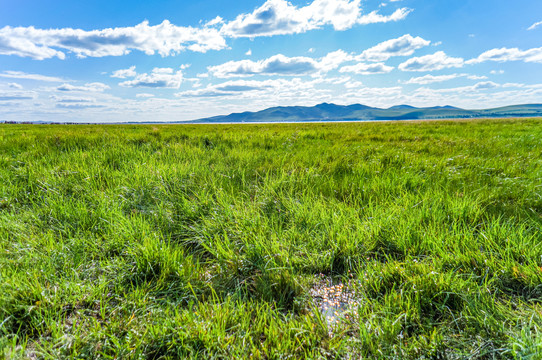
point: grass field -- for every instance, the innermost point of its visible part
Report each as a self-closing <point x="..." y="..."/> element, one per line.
<point x="207" y="242"/>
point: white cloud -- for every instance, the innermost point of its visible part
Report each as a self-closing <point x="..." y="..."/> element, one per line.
<point x="76" y="106"/>
<point x="476" y="77"/>
<point x="480" y="86"/>
<point x="496" y="72"/>
<point x="333" y="59"/>
<point x="249" y="52"/>
<point x="367" y="69"/>
<point x="274" y="17"/>
<point x="72" y="99"/>
<point x="280" y="65"/>
<point x="196" y="82"/>
<point x="436" y="61"/>
<point x="14" y="41"/>
<point x="162" y="71"/>
<point x="124" y="73"/>
<point x="158" y="78"/>
<point x="430" y="79"/>
<point x="301" y="65"/>
<point x="144" y="95"/>
<point x="374" y="17"/>
<point x="232" y="88"/>
<point x="16" y="95"/>
<point x="23" y="75"/>
<point x="509" y="54"/>
<point x="15" y="86"/>
<point x="516" y="85"/>
<point x="272" y="89"/>
<point x="216" y="21"/>
<point x="251" y="95"/>
<point x="279" y="17"/>
<point x="402" y="46"/>
<point x="235" y="88"/>
<point x="485" y="85"/>
<point x="276" y="64"/>
<point x="353" y="84"/>
<point x="90" y="87"/>
<point x="164" y="39"/>
<point x="535" y="25"/>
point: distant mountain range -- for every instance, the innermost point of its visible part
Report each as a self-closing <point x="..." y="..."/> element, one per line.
<point x="332" y="112"/>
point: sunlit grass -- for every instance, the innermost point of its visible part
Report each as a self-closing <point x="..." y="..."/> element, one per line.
<point x="204" y="241"/>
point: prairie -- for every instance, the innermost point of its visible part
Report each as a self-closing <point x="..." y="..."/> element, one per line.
<point x="207" y="241"/>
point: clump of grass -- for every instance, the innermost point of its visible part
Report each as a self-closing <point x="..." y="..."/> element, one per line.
<point x="204" y="241"/>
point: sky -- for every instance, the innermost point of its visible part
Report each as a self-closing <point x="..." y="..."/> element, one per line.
<point x="174" y="60"/>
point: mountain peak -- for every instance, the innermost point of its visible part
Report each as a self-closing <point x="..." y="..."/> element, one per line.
<point x="401" y="107"/>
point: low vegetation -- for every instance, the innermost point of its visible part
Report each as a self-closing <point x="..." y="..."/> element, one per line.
<point x="200" y="241"/>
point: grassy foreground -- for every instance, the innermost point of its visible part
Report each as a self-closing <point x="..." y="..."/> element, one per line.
<point x="204" y="241"/>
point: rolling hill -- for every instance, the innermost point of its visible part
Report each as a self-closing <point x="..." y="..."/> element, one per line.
<point x="333" y="112"/>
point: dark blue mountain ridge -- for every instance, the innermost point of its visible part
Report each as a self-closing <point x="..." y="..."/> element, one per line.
<point x="359" y="112"/>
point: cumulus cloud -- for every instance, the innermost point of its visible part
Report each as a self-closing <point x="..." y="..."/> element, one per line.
<point x="89" y="87"/>
<point x="157" y="78"/>
<point x="14" y="42"/>
<point x="402" y="46"/>
<point x="436" y="61"/>
<point x="277" y="64"/>
<point x="279" y="17"/>
<point x="274" y="17"/>
<point x="374" y="17"/>
<point x="485" y="85"/>
<point x="23" y="75"/>
<point x="164" y="39"/>
<point x="333" y="59"/>
<point x="509" y="54"/>
<point x="535" y="25"/>
<point x="367" y="69"/>
<point x="124" y="73"/>
<point x="15" y="86"/>
<point x="430" y="79"/>
<point x="280" y="65"/>
<point x="144" y="95"/>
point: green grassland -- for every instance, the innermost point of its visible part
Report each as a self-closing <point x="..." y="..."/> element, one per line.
<point x="200" y="241"/>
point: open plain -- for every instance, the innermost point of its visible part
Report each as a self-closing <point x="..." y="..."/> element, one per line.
<point x="185" y="241"/>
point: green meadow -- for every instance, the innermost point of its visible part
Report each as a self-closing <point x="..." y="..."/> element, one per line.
<point x="201" y="241"/>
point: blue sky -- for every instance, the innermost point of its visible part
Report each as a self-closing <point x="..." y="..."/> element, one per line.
<point x="179" y="60"/>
